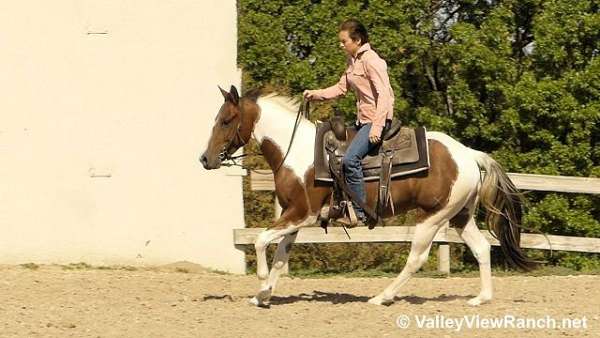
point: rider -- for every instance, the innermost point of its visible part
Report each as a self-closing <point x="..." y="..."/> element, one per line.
<point x="366" y="74"/>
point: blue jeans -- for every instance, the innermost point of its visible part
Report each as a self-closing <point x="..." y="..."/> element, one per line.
<point x="357" y="150"/>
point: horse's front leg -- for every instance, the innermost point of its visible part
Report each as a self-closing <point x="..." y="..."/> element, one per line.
<point x="269" y="280"/>
<point x="281" y="258"/>
<point x="260" y="246"/>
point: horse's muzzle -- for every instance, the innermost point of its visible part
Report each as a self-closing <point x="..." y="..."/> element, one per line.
<point x="208" y="164"/>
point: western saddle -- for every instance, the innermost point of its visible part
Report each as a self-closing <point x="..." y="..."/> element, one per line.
<point x="403" y="151"/>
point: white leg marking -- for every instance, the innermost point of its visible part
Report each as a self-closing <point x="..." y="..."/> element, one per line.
<point x="281" y="258"/>
<point x="419" y="251"/>
<point x="262" y="268"/>
<point x="262" y="241"/>
<point x="481" y="250"/>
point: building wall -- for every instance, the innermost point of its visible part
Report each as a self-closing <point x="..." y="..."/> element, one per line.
<point x="105" y="107"/>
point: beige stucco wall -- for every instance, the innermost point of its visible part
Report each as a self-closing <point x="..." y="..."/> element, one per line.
<point x="105" y="107"/>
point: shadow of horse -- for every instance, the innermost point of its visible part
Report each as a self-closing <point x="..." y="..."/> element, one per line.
<point x="337" y="298"/>
<point x="219" y="297"/>
<point x="344" y="298"/>
<point x="441" y="298"/>
<point x="319" y="296"/>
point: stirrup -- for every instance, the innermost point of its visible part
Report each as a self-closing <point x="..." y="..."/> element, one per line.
<point x="350" y="220"/>
<point x="346" y="222"/>
<point x="351" y="214"/>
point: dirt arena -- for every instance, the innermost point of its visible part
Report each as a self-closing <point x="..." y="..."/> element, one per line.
<point x="187" y="301"/>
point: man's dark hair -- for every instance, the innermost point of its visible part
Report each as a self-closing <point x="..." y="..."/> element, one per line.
<point x="356" y="30"/>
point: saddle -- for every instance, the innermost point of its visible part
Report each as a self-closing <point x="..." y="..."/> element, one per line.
<point x="403" y="151"/>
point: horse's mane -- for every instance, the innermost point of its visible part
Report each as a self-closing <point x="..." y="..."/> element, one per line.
<point x="288" y="103"/>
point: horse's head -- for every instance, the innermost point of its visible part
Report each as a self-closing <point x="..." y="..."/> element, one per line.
<point x="233" y="127"/>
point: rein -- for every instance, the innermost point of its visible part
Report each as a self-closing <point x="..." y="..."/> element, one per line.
<point x="303" y="111"/>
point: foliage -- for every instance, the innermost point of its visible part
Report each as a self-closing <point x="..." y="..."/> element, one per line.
<point x="517" y="79"/>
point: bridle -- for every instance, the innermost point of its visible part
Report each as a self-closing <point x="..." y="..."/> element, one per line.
<point x="226" y="153"/>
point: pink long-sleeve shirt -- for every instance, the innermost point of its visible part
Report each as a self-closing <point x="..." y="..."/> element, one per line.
<point x="366" y="74"/>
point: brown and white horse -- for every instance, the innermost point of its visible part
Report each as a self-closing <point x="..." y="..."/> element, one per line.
<point x="448" y="193"/>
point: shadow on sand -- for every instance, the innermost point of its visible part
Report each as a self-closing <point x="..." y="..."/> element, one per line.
<point x="336" y="298"/>
<point x="344" y="298"/>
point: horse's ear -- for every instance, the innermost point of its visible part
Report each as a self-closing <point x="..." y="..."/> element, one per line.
<point x="234" y="95"/>
<point x="253" y="94"/>
<point x="224" y="93"/>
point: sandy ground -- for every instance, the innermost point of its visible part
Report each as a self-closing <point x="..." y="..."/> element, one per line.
<point x="170" y="302"/>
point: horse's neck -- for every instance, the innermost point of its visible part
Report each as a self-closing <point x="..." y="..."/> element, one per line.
<point x="274" y="128"/>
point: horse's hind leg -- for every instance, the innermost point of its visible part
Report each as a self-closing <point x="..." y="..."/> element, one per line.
<point x="481" y="250"/>
<point x="419" y="251"/>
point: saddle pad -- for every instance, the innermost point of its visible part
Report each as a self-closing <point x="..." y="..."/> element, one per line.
<point x="410" y="149"/>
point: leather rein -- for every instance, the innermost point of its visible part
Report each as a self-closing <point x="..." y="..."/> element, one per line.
<point x="226" y="153"/>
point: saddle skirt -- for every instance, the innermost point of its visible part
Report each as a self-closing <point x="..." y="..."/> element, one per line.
<point x="409" y="148"/>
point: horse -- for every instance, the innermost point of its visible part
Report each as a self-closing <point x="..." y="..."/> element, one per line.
<point x="449" y="192"/>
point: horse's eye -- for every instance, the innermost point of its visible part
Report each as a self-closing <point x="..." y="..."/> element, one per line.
<point x="225" y="123"/>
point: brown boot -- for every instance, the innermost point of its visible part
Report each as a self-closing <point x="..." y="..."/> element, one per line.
<point x="345" y="221"/>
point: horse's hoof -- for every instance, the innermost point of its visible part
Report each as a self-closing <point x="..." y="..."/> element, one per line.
<point x="262" y="298"/>
<point x="379" y="300"/>
<point x="479" y="300"/>
<point x="264" y="295"/>
<point x="254" y="301"/>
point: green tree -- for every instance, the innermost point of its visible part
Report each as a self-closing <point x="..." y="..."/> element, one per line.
<point x="517" y="79"/>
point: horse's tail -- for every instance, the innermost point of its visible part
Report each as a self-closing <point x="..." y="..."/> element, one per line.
<point x="503" y="204"/>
